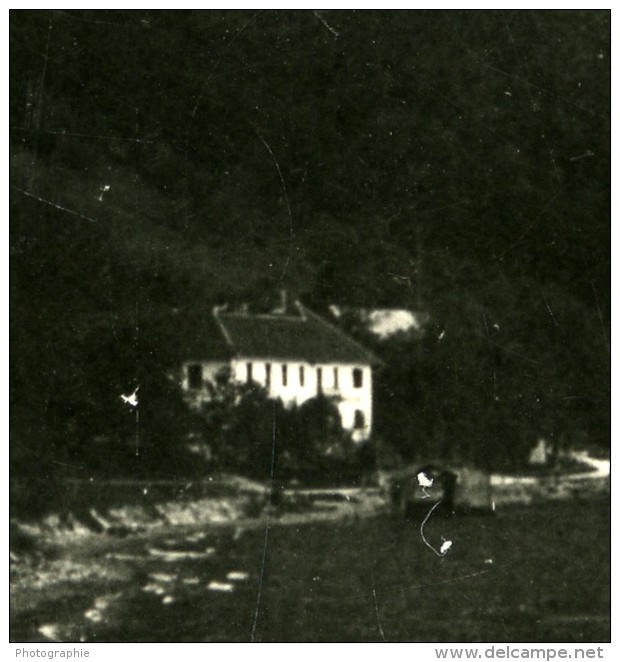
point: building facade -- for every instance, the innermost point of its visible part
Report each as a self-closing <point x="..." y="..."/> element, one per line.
<point x="295" y="355"/>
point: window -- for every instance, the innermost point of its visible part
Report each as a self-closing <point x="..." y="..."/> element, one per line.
<point x="194" y="376"/>
<point x="267" y="375"/>
<point x="359" y="420"/>
<point x="284" y="375"/>
<point x="336" y="378"/>
<point x="319" y="380"/>
<point x="248" y="372"/>
<point x="358" y="377"/>
<point x="302" y="376"/>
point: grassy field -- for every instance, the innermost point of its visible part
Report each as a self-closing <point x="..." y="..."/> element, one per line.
<point x="537" y="574"/>
<point x="529" y="574"/>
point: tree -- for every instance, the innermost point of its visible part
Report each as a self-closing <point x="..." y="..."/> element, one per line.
<point x="252" y="433"/>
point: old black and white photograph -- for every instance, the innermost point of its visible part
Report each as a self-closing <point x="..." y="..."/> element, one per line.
<point x="310" y="326"/>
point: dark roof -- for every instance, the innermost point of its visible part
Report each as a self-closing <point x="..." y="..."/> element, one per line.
<point x="201" y="338"/>
<point x="302" y="336"/>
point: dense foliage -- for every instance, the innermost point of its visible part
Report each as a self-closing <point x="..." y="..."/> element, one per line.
<point x="452" y="162"/>
<point x="244" y="430"/>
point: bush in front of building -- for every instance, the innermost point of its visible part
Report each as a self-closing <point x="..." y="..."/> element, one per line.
<point x="249" y="433"/>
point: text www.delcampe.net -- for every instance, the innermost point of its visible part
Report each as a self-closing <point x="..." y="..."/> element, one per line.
<point x="516" y="652"/>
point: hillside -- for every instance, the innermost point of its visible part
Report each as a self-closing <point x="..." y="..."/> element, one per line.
<point x="451" y="162"/>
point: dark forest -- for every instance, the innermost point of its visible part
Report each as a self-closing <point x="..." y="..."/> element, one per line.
<point x="455" y="163"/>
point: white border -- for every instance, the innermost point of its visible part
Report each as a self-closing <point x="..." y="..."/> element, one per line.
<point x="307" y="652"/>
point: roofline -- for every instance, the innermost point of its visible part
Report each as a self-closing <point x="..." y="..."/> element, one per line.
<point x="271" y="316"/>
<point x="280" y="359"/>
<point x="374" y="358"/>
<point x="371" y="358"/>
<point x="227" y="338"/>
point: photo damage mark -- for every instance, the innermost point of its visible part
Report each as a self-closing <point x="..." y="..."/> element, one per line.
<point x="56" y="206"/>
<point x="288" y="204"/>
<point x="132" y="399"/>
<point x="102" y="190"/>
<point x="446" y="545"/>
<point x="267" y="526"/>
<point x="329" y="27"/>
<point x="374" y="595"/>
<point x="424" y="481"/>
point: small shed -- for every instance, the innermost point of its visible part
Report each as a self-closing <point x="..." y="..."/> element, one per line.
<point x="472" y="489"/>
<point x="457" y="488"/>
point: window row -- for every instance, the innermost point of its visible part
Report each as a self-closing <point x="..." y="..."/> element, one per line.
<point x="195" y="379"/>
<point x="358" y="376"/>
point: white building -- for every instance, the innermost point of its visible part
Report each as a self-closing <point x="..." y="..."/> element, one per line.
<point x="385" y="322"/>
<point x="293" y="353"/>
